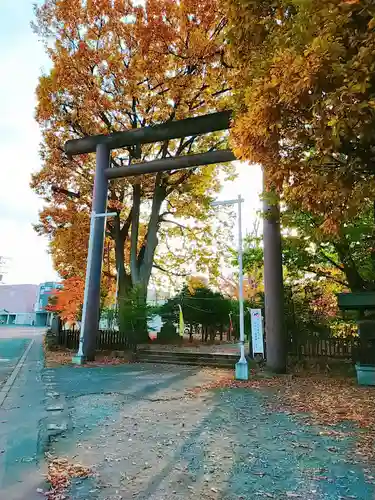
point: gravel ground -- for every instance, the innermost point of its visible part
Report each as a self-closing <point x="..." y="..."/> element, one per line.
<point x="145" y="438"/>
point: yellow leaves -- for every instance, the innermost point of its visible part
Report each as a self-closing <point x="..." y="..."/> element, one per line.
<point x="194" y="282"/>
<point x="304" y="100"/>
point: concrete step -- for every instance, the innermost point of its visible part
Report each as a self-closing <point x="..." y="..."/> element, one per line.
<point x="187" y="358"/>
<point x="170" y="361"/>
<point x="186" y="354"/>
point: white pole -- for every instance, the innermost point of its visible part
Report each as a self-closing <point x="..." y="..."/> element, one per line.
<point x="242" y="372"/>
<point x="240" y="293"/>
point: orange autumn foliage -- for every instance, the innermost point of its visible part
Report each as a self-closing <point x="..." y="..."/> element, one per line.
<point x="252" y="285"/>
<point x="120" y="65"/>
<point x="67" y="301"/>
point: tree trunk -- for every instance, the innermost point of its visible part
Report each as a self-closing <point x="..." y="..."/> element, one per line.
<point x="212" y="334"/>
<point x="134" y="268"/>
<point x="147" y="252"/>
<point x="355" y="281"/>
<point x="206" y="333"/>
<point x="133" y="287"/>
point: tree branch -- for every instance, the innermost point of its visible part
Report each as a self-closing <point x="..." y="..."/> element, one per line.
<point x="327" y="257"/>
<point x="126" y="226"/>
<point x="326" y="275"/>
<point x="169" y="272"/>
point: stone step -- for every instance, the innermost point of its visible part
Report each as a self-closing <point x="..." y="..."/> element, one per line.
<point x="187" y="354"/>
<point x="170" y="361"/>
<point x="188" y="358"/>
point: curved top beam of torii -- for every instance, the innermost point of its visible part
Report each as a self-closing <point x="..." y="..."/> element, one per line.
<point x="170" y="130"/>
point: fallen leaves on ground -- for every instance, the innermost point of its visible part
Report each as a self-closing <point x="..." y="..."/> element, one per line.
<point x="58" y="357"/>
<point x="54" y="358"/>
<point x="103" y="360"/>
<point x="323" y="400"/>
<point x="59" y="475"/>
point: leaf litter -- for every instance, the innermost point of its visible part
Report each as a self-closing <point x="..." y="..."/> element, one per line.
<point x="59" y="475"/>
<point x="321" y="400"/>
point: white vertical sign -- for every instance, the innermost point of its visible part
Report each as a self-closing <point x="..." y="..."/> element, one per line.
<point x="257" y="331"/>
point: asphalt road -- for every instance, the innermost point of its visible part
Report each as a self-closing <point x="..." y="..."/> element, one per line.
<point x="20" y="332"/>
<point x="13" y="342"/>
<point x="21" y="412"/>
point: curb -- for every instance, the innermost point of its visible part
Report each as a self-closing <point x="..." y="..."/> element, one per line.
<point x="58" y="421"/>
<point x="12" y="377"/>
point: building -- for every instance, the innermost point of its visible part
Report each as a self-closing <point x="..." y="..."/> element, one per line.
<point x="26" y="304"/>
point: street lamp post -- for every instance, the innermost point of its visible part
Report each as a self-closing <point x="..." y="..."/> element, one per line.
<point x="242" y="371"/>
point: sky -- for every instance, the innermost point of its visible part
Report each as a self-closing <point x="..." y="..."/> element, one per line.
<point x="23" y="60"/>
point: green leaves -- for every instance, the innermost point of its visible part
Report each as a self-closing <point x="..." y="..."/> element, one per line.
<point x="200" y="306"/>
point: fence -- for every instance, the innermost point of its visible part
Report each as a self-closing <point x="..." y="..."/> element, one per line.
<point x="341" y="348"/>
<point x="105" y="340"/>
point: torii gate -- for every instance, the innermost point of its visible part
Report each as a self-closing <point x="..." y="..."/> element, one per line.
<point x="102" y="145"/>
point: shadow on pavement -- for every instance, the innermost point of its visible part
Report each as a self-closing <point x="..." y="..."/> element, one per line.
<point x="273" y="455"/>
<point x="84" y="388"/>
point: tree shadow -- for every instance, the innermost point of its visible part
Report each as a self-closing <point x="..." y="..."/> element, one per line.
<point x="274" y="455"/>
<point x="89" y="386"/>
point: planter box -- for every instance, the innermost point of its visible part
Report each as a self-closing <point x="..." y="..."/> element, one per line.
<point x="356" y="301"/>
<point x="365" y="374"/>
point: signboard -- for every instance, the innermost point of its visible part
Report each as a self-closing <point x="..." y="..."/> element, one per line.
<point x="257" y="331"/>
<point x="154" y="326"/>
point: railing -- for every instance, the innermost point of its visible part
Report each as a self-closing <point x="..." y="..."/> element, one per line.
<point x="105" y="340"/>
<point x="341" y="348"/>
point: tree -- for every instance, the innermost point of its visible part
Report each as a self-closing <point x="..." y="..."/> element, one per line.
<point x="305" y="99"/>
<point x="67" y="301"/>
<point x="345" y="257"/>
<point x="201" y="307"/>
<point x="116" y="66"/>
<point x="317" y="266"/>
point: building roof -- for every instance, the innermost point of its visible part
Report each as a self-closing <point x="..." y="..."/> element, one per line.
<point x="18" y="298"/>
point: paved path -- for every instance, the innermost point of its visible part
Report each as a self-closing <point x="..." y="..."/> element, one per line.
<point x="148" y="441"/>
<point x="10" y="352"/>
<point x="22" y="332"/>
<point x="22" y="410"/>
